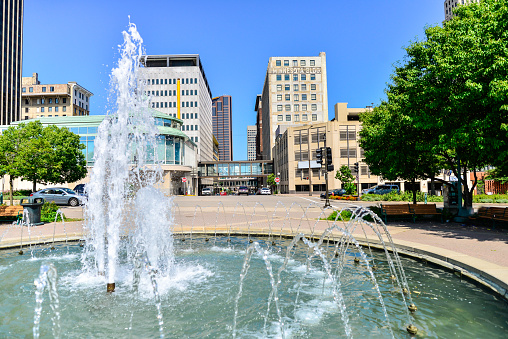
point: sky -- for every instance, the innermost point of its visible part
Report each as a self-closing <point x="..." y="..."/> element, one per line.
<point x="78" y="41"/>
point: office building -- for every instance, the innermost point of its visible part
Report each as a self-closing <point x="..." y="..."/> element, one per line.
<point x="53" y="100"/>
<point x="11" y="37"/>
<point x="222" y="108"/>
<point x="178" y="87"/>
<point x="449" y="5"/>
<point x="251" y="142"/>
<point x="294" y="93"/>
<point x="259" y="127"/>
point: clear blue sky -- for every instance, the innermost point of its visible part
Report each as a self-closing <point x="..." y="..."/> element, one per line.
<point x="78" y="41"/>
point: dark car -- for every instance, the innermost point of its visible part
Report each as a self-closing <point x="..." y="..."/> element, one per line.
<point x="61" y="196"/>
<point x="243" y="190"/>
<point x="80" y="189"/>
<point x="381" y="189"/>
<point x="335" y="192"/>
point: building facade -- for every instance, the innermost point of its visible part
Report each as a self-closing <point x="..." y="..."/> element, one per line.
<point x="53" y="100"/>
<point x="222" y="112"/>
<point x="259" y="127"/>
<point x="449" y="5"/>
<point x="11" y="58"/>
<point x="294" y="93"/>
<point x="251" y="142"/>
<point x="178" y="87"/>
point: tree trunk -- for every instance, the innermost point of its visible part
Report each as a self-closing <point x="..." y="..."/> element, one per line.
<point x="468" y="194"/>
<point x="34" y="186"/>
<point x="12" y="190"/>
<point x="414" y="191"/>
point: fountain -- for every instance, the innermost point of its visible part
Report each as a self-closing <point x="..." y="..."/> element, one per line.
<point x="247" y="273"/>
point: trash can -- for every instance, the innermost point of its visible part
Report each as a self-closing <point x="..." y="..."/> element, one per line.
<point x="33" y="206"/>
<point x="1" y="198"/>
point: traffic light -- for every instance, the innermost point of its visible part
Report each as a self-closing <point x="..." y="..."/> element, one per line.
<point x="328" y="156"/>
<point x="319" y="156"/>
<point x="356" y="168"/>
<point x="330" y="167"/>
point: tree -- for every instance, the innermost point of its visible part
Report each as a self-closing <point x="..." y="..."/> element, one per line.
<point x="43" y="155"/>
<point x="10" y="143"/>
<point x="271" y="180"/>
<point x="347" y="179"/>
<point x="450" y="98"/>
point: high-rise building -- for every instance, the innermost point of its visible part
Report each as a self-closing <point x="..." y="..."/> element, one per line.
<point x="178" y="87"/>
<point x="251" y="142"/>
<point x="222" y="126"/>
<point x="11" y="36"/>
<point x="450" y="4"/>
<point x="54" y="100"/>
<point x="294" y="93"/>
<point x="259" y="127"/>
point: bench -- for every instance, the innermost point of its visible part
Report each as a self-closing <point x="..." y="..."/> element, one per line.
<point x="11" y="212"/>
<point x="494" y="214"/>
<point x="401" y="210"/>
<point x="425" y="209"/>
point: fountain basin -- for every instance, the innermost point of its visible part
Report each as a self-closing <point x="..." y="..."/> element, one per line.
<point x="198" y="299"/>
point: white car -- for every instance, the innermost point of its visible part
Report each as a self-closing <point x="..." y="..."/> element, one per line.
<point x="264" y="191"/>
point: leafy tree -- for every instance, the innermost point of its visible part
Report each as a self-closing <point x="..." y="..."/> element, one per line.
<point x="450" y="98"/>
<point x="347" y="179"/>
<point x="10" y="143"/>
<point x="271" y="181"/>
<point x="42" y="155"/>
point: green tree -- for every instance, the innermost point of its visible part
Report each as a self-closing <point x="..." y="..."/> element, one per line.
<point x="347" y="179"/>
<point x="450" y="97"/>
<point x="43" y="155"/>
<point x="10" y="144"/>
<point x="270" y="179"/>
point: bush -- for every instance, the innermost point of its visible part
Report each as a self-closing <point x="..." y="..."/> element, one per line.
<point x="404" y="196"/>
<point x="345" y="215"/>
<point x="494" y="198"/>
<point x="48" y="212"/>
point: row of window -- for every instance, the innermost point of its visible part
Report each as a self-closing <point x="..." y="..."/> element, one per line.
<point x="195" y="139"/>
<point x="42" y="101"/>
<point x="296" y="87"/>
<point x="184" y="81"/>
<point x="31" y="89"/>
<point x="296" y="97"/>
<point x="80" y="95"/>
<point x="44" y="116"/>
<point x="303" y="77"/>
<point x="172" y="104"/>
<point x="172" y="93"/>
<point x="49" y="109"/>
<point x="296" y="108"/>
<point x="296" y="118"/>
<point x="192" y="127"/>
<point x="189" y="115"/>
<point x="295" y="63"/>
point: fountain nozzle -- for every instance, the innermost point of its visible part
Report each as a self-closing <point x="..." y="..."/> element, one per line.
<point x="412" y="329"/>
<point x="412" y="308"/>
<point x="357" y="261"/>
<point x="20" y="252"/>
<point x="52" y="247"/>
<point x="111" y="287"/>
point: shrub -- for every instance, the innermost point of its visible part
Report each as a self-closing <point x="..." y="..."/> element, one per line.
<point x="494" y="198"/>
<point x="404" y="196"/>
<point x="48" y="212"/>
<point x="345" y="215"/>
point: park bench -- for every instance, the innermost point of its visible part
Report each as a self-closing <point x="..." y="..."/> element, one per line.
<point x="11" y="212"/>
<point x="500" y="215"/>
<point x="425" y="209"/>
<point x="399" y="210"/>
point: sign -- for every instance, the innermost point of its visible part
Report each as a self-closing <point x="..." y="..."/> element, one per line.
<point x="184" y="179"/>
<point x="296" y="70"/>
<point x="453" y="178"/>
<point x="277" y="179"/>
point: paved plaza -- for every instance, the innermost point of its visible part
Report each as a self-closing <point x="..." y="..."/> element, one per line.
<point x="479" y="249"/>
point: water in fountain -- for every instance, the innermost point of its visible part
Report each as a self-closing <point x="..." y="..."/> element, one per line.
<point x="124" y="175"/>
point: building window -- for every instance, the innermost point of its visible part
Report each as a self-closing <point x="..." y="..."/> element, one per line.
<point x="314" y="117"/>
<point x="296" y="97"/>
<point x="50" y="100"/>
<point x="56" y="109"/>
<point x="286" y="62"/>
<point x="295" y="63"/>
<point x="279" y="97"/>
<point x="44" y="89"/>
<point x="195" y="104"/>
<point x="313" y="107"/>
<point x="279" y="77"/>
<point x="195" y="115"/>
<point x="287" y="108"/>
<point x="56" y="100"/>
<point x="50" y="109"/>
<point x="295" y="87"/>
<point x="279" y="87"/>
<point x="302" y="62"/>
<point x="287" y="97"/>
<point x="304" y="97"/>
<point x="23" y="89"/>
<point x="297" y="117"/>
<point x="313" y="62"/>
<point x="286" y="87"/>
<point x="304" y="87"/>
<point x="304" y="77"/>
<point x="279" y="117"/>
<point x="277" y="62"/>
<point x="196" y="139"/>
<point x="304" y="107"/>
<point x="304" y="117"/>
<point x="297" y="108"/>
<point x="279" y="108"/>
<point x="30" y="89"/>
<point x="295" y="77"/>
<point x="313" y="77"/>
<point x="313" y="87"/>
<point x="42" y="109"/>
<point x="312" y="97"/>
<point x="288" y="117"/>
<point x="286" y="77"/>
<point x="64" y="109"/>
<point x="195" y="127"/>
<point x="43" y="101"/>
<point x="51" y="88"/>
<point x="26" y="109"/>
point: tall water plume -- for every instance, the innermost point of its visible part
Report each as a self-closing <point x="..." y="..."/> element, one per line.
<point x="125" y="173"/>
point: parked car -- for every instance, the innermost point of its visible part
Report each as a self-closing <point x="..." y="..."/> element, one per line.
<point x="335" y="192"/>
<point x="264" y="191"/>
<point x="243" y="190"/>
<point x="381" y="189"/>
<point x="60" y="195"/>
<point x="206" y="191"/>
<point x="80" y="189"/>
